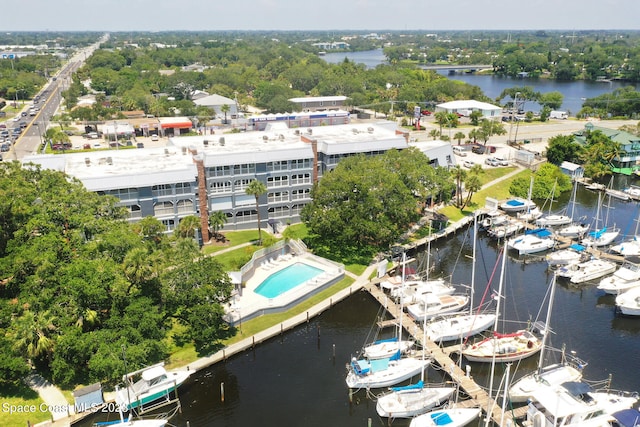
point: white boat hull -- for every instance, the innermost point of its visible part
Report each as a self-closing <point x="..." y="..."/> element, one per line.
<point x="458" y="327"/>
<point x="433" y="306"/>
<point x="409" y="403"/>
<point x="553" y="220"/>
<point x="386" y="348"/>
<point x="398" y="371"/>
<point x="629" y="302"/>
<point x="456" y="417"/>
<point x="507" y="348"/>
<point x="523" y="389"/>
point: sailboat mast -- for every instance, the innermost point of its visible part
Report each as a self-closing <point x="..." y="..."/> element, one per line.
<point x="404" y="267"/>
<point x="495" y="324"/>
<point x="546" y="324"/>
<point x="473" y="259"/>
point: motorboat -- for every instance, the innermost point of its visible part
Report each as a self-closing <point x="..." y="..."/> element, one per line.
<point x="453" y="417"/>
<point x="129" y="422"/>
<point x="532" y="241"/>
<point x="575" y="253"/>
<point x="595" y="186"/>
<point x="628" y="303"/>
<point x="623" y="279"/>
<point x="411" y="400"/>
<point x="144" y="387"/>
<point x="627" y="417"/>
<point x="573" y="231"/>
<point x="629" y="247"/>
<point x="517" y="204"/>
<point x="434" y="305"/>
<point x="573" y="404"/>
<point x="590" y="270"/>
<point x="415" y="290"/>
<point x="493" y="219"/>
<point x="633" y="192"/>
<point x="387" y="372"/>
<point x="618" y="194"/>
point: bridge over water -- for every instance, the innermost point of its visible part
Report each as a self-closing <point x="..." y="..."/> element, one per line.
<point x="453" y="67"/>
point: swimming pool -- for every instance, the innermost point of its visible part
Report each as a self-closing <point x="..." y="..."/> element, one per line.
<point x="286" y="279"/>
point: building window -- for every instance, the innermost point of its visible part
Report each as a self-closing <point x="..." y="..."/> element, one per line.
<point x="183" y="188"/>
<point x="162" y="190"/>
<point x="296" y="209"/>
<point x="277" y="181"/>
<point x="278" y="196"/>
<point x="134" y="211"/>
<point x="220" y="187"/>
<point x="300" y="194"/>
<point x="244" y="169"/>
<point x="246" y="216"/>
<point x="301" y="179"/>
<point x="301" y="164"/>
<point x="241" y="184"/>
<point x="277" y="166"/>
<point x="185" y="206"/>
<point x="279" y="212"/>
<point x="219" y="171"/>
<point x="125" y="193"/>
<point x="169" y="224"/>
<point x="163" y="209"/>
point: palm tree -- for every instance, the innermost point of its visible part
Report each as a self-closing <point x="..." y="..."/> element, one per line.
<point x="459" y="136"/>
<point x="434" y="133"/>
<point x="33" y="334"/>
<point x="458" y="175"/>
<point x="188" y="226"/>
<point x="257" y="188"/>
<point x="225" y="109"/>
<point x="217" y="220"/>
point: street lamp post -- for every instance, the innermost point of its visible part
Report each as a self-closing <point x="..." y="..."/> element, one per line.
<point x="40" y="135"/>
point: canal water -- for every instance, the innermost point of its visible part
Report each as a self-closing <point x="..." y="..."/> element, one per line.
<point x="575" y="92"/>
<point x="298" y="378"/>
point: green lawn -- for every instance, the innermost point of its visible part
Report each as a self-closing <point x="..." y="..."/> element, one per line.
<point x="24" y="399"/>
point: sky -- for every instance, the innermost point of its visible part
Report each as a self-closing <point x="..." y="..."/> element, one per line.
<point x="428" y="15"/>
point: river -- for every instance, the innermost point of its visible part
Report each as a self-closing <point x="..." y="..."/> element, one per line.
<point x="295" y="380"/>
<point x="575" y="92"/>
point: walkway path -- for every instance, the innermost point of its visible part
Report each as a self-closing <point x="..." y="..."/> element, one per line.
<point x="52" y="397"/>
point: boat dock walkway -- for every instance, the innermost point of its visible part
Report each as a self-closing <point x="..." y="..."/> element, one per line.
<point x="478" y="397"/>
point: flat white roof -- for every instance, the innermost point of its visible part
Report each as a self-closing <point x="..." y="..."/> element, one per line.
<point x="468" y="104"/>
<point x="318" y="98"/>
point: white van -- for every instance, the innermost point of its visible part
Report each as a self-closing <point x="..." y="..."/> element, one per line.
<point x="562" y="115"/>
<point x="459" y="151"/>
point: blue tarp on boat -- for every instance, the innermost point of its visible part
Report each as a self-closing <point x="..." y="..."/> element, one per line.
<point x="515" y="203"/>
<point x="628" y="417"/>
<point x="577" y="247"/>
<point x="441" y="418"/>
<point x="417" y="386"/>
<point x="598" y="234"/>
<point x="540" y="232"/>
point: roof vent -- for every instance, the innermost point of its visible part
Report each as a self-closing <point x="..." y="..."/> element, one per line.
<point x="166" y="151"/>
<point x="370" y="129"/>
<point x="309" y="131"/>
<point x="87" y="161"/>
<point x="297" y="131"/>
<point x="281" y="137"/>
<point x="354" y="130"/>
<point x="265" y="138"/>
<point x="221" y="140"/>
<point x="184" y="150"/>
<point x="205" y="142"/>
<point x="109" y="161"/>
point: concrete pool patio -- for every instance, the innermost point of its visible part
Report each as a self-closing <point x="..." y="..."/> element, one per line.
<point x="247" y="304"/>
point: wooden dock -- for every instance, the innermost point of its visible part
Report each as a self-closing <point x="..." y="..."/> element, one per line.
<point x="478" y="397"/>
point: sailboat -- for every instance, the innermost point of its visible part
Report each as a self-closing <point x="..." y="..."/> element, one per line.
<point x="624" y="278"/>
<point x="574" y="229"/>
<point x="553" y="219"/>
<point x="532" y="241"/>
<point x="386" y="371"/>
<point x="460" y="326"/>
<point x="630" y="247"/>
<point x="504" y="347"/>
<point x="411" y="400"/>
<point x="450" y="417"/>
<point x="604" y="235"/>
<point x="555" y="374"/>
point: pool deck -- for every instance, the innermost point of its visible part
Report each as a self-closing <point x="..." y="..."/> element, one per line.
<point x="247" y="304"/>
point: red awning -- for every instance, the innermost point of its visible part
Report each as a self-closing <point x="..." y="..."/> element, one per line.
<point x="177" y="125"/>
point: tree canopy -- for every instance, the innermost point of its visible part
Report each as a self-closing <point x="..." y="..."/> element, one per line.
<point x="77" y="283"/>
<point x="366" y="203"/>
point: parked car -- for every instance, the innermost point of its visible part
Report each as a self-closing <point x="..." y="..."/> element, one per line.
<point x="5" y="147"/>
<point x="154" y="137"/>
<point x="140" y="145"/>
<point x="491" y="162"/>
<point x="468" y="164"/>
<point x="502" y="161"/>
<point x="459" y="151"/>
<point x="425" y="112"/>
<point x="477" y="149"/>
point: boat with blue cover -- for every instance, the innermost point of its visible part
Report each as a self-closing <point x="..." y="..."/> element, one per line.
<point x="517" y="204"/>
<point x="532" y="241"/>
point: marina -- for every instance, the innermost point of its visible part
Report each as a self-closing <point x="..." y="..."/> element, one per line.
<point x="268" y="378"/>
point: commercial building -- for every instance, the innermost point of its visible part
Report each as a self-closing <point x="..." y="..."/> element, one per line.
<point x="196" y="175"/>
<point x="465" y="107"/>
